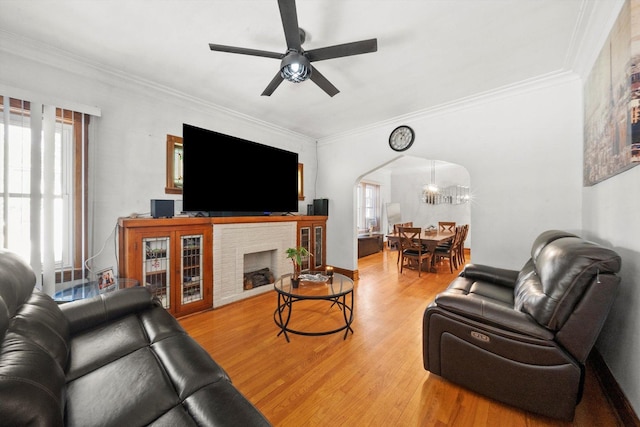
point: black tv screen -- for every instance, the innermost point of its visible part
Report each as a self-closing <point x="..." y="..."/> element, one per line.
<point x="228" y="176"/>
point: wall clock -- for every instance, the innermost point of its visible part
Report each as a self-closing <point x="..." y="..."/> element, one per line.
<point x="401" y="138"/>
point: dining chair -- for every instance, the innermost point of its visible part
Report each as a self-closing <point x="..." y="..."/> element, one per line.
<point x="461" y="256"/>
<point x="446" y="226"/>
<point x="396" y="231"/>
<point x="394" y="244"/>
<point x="450" y="252"/>
<point x="411" y="249"/>
<point x="396" y="227"/>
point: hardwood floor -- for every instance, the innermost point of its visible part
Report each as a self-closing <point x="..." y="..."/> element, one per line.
<point x="373" y="378"/>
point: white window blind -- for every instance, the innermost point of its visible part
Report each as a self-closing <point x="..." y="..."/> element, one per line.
<point x="43" y="187"/>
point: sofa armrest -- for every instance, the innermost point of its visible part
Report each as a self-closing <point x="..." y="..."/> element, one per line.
<point x="492" y="313"/>
<point x="87" y="313"/>
<point x="486" y="273"/>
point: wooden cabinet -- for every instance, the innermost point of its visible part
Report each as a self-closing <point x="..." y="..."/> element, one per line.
<point x="173" y="257"/>
<point x="312" y="235"/>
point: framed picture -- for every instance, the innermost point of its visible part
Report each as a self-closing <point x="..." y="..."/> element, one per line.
<point x="106" y="279"/>
<point x="300" y="181"/>
<point x="174" y="165"/>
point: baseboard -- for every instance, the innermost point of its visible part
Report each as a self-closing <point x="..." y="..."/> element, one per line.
<point x="613" y="391"/>
<point x="351" y="274"/>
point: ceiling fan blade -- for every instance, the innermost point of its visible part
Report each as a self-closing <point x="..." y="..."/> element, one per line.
<point x="322" y="82"/>
<point x="340" y="50"/>
<point x="273" y="85"/>
<point x="245" y="51"/>
<point x="289" y="17"/>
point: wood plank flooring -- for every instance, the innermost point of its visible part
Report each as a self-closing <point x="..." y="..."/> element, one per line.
<point x="373" y="378"/>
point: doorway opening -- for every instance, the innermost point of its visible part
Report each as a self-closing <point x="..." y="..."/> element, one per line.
<point x="403" y="184"/>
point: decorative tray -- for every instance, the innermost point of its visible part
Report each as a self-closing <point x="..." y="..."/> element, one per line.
<point x="313" y="277"/>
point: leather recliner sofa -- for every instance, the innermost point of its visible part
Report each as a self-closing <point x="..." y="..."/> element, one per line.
<point x="523" y="337"/>
<point x="118" y="359"/>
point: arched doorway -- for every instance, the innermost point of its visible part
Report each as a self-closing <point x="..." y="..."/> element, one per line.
<point x="402" y="185"/>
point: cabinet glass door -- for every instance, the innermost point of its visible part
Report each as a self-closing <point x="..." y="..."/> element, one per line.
<point x="318" y="262"/>
<point x="191" y="269"/>
<point x="305" y="242"/>
<point x="156" y="268"/>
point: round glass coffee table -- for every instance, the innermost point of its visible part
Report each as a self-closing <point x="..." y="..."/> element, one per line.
<point x="336" y="289"/>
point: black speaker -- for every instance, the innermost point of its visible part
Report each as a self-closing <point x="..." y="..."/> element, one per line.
<point x="321" y="207"/>
<point x="309" y="209"/>
<point x="162" y="208"/>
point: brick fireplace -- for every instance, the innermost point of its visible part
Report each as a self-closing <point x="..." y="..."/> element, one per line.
<point x="243" y="247"/>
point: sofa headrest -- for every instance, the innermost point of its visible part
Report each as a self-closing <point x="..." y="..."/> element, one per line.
<point x="16" y="285"/>
<point x="545" y="238"/>
<point x="34" y="348"/>
<point x="561" y="269"/>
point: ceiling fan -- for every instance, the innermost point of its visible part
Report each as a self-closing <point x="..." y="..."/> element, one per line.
<point x="295" y="63"/>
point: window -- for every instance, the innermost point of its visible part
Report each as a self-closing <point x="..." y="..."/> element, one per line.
<point x="43" y="189"/>
<point x="368" y="206"/>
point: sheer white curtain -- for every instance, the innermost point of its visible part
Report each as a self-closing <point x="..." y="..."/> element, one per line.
<point x="43" y="186"/>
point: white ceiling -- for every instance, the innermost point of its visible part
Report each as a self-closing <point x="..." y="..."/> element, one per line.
<point x="430" y="52"/>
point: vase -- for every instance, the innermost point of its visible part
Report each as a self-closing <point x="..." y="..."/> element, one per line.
<point x="295" y="282"/>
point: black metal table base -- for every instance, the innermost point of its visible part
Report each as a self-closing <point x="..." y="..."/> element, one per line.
<point x="282" y="315"/>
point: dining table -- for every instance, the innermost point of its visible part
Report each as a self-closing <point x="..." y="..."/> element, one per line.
<point x="429" y="239"/>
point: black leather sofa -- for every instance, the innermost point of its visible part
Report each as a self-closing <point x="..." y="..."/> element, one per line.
<point x="523" y="337"/>
<point x="118" y="359"/>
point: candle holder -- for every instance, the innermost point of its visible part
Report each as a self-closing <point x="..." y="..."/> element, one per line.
<point x="329" y="271"/>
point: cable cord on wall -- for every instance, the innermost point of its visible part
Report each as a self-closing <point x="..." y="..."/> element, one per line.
<point x="86" y="262"/>
<point x="315" y="183"/>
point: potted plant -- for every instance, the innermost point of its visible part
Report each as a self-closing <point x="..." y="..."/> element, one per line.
<point x="297" y="255"/>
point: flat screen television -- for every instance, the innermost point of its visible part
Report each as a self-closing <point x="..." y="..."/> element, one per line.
<point x="228" y="176"/>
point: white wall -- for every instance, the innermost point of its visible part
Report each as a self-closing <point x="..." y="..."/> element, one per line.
<point x="128" y="153"/>
<point x="610" y="211"/>
<point x="523" y="154"/>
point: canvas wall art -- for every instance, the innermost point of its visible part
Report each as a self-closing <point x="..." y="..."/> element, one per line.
<point x="612" y="101"/>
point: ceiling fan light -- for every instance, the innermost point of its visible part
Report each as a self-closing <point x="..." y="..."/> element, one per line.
<point x="295" y="67"/>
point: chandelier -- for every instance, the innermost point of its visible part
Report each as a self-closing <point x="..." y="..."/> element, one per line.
<point x="430" y="192"/>
<point x="433" y="195"/>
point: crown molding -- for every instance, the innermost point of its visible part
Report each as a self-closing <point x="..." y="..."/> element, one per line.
<point x="591" y="31"/>
<point x="70" y="63"/>
<point x="515" y="89"/>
